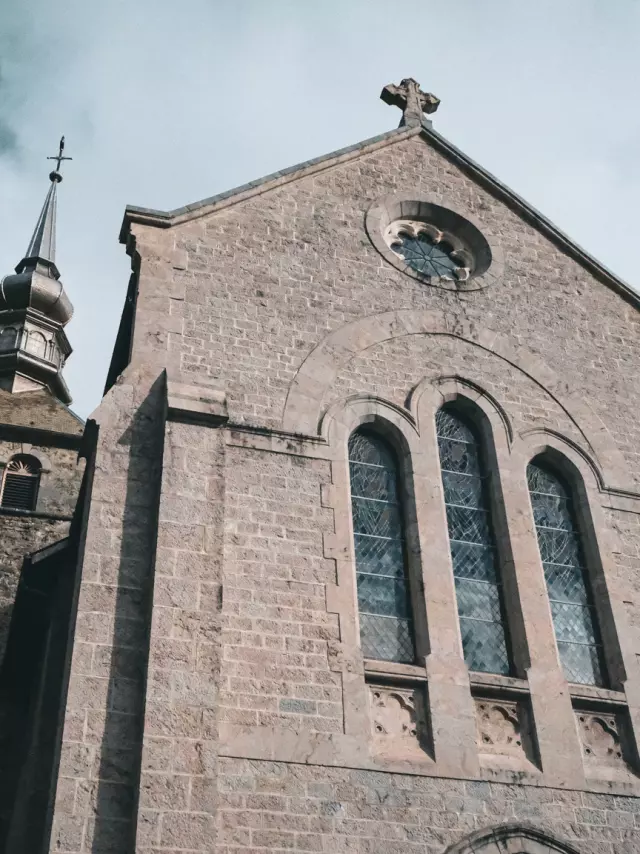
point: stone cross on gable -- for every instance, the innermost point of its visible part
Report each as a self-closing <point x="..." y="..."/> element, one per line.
<point x="411" y="99"/>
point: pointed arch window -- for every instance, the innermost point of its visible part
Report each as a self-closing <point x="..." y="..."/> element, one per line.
<point x="384" y="600"/>
<point x="20" y="483"/>
<point x="473" y="553"/>
<point x="561" y="550"/>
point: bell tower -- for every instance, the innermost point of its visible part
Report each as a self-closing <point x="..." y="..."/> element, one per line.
<point x="34" y="309"/>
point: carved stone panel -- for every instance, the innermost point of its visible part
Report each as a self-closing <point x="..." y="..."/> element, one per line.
<point x="504" y="735"/>
<point x="603" y="744"/>
<point x="399" y="720"/>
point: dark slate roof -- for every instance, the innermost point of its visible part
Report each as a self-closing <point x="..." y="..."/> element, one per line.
<point x="165" y="219"/>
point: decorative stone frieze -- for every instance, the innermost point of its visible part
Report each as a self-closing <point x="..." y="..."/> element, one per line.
<point x="399" y="722"/>
<point x="504" y="732"/>
<point x="604" y="750"/>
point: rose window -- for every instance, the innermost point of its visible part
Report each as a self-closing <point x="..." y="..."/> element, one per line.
<point x="429" y="251"/>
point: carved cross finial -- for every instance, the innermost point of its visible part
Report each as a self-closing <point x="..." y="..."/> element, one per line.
<point x="411" y="99"/>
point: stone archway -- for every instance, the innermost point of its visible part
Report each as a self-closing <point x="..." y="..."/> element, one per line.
<point x="511" y="839"/>
<point x="303" y="407"/>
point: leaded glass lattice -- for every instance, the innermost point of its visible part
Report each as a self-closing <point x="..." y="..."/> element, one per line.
<point x="574" y="618"/>
<point x="473" y="553"/>
<point x="426" y="255"/>
<point x="386" y="624"/>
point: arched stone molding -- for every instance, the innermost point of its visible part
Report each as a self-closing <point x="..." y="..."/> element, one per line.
<point x="317" y="374"/>
<point x="438" y="644"/>
<point x="338" y="425"/>
<point x="433" y="392"/>
<point x="599" y="542"/>
<point x="342" y="599"/>
<point x="446" y="214"/>
<point x="511" y="839"/>
<point x="496" y="433"/>
<point x="541" y="440"/>
<point x="361" y="409"/>
<point x="26" y="449"/>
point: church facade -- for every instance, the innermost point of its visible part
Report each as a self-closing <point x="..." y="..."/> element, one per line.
<point x="353" y="565"/>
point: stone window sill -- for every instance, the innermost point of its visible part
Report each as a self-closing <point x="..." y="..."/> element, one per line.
<point x="592" y="694"/>
<point x="493" y="682"/>
<point x="34" y="514"/>
<point x="394" y="670"/>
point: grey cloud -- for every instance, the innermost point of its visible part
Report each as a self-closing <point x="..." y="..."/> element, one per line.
<point x="163" y="104"/>
<point x="8" y="139"/>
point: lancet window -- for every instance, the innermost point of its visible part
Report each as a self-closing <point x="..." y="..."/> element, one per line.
<point x="384" y="600"/>
<point x="473" y="552"/>
<point x="562" y="554"/>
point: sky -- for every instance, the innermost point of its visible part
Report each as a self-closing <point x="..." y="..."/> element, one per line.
<point x="166" y="103"/>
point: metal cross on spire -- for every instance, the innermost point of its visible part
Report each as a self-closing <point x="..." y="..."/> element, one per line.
<point x="55" y="175"/>
<point x="411" y="99"/>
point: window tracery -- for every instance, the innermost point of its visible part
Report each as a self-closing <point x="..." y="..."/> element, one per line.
<point x="386" y="621"/>
<point x="566" y="576"/>
<point x="473" y="553"/>
<point x="430" y="251"/>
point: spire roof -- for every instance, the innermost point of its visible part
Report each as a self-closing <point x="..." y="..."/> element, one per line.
<point x="42" y="246"/>
<point x="37" y="284"/>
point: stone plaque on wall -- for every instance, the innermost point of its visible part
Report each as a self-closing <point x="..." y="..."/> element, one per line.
<point x="399" y="721"/>
<point x="504" y="734"/>
<point x="604" y="750"/>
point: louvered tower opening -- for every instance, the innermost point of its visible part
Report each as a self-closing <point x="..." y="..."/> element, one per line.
<point x="20" y="483"/>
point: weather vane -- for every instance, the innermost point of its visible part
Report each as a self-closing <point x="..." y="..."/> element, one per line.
<point x="55" y="175"/>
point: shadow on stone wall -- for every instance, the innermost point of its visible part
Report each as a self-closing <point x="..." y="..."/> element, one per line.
<point x="34" y="677"/>
<point x="120" y="751"/>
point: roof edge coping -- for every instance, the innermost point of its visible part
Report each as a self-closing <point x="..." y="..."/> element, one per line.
<point x="533" y="215"/>
<point x="165" y="219"/>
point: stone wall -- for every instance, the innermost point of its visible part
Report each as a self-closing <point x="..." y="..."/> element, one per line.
<point x="269" y="806"/>
<point x="38" y="409"/>
<point x="239" y="298"/>
<point x="24" y="533"/>
<point x="19" y="537"/>
<point x="275" y="670"/>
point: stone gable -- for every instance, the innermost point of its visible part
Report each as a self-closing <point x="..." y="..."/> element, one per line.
<point x="266" y="280"/>
<point x="219" y="696"/>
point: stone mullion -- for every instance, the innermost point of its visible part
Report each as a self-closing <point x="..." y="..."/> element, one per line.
<point x="451" y="706"/>
<point x="534" y="646"/>
<point x="599" y="543"/>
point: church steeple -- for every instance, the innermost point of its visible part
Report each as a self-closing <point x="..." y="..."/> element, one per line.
<point x="42" y="246"/>
<point x="34" y="308"/>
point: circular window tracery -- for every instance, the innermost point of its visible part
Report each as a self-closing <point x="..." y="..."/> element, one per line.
<point x="437" y="245"/>
<point x="429" y="250"/>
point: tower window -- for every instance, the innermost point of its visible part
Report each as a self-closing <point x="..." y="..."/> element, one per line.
<point x="386" y="621"/>
<point x="37" y="344"/>
<point x="559" y="540"/>
<point x="473" y="553"/>
<point x="20" y="483"/>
